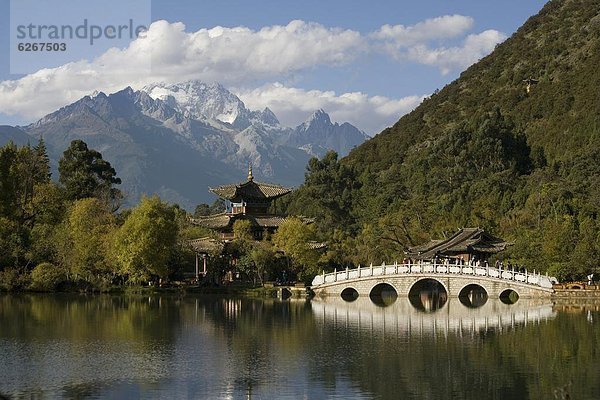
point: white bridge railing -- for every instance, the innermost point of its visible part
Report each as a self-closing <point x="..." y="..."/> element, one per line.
<point x="429" y="268"/>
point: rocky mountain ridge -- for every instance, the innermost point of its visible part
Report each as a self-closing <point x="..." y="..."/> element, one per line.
<point x="175" y="140"/>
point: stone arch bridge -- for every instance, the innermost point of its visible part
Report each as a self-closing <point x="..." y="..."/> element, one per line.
<point x="453" y="278"/>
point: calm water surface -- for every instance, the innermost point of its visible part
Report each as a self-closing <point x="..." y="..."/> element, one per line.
<point x="78" y="347"/>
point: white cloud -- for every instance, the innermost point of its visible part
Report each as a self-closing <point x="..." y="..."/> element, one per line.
<point x="293" y="105"/>
<point x="474" y="48"/>
<point x="420" y="43"/>
<point x="401" y="36"/>
<point x="226" y="55"/>
<point x="244" y="57"/>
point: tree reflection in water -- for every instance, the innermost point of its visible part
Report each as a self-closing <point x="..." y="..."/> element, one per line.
<point x="214" y="347"/>
<point x="383" y="295"/>
<point x="473" y="296"/>
<point x="428" y="295"/>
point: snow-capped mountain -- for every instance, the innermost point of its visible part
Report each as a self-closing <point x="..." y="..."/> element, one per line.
<point x="318" y="134"/>
<point x="175" y="140"/>
<point x="212" y="101"/>
<point x="199" y="100"/>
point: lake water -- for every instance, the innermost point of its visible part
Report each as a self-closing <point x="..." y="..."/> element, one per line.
<point x="115" y="347"/>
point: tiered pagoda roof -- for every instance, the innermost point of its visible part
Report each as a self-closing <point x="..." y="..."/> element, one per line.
<point x="466" y="240"/>
<point x="224" y="220"/>
<point x="206" y="245"/>
<point x="250" y="190"/>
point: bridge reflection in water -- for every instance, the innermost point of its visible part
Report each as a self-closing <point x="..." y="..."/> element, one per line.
<point x="433" y="314"/>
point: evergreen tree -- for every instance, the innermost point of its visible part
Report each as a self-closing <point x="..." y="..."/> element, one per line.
<point x="84" y="173"/>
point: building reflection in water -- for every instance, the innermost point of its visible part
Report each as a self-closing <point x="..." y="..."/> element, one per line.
<point x="404" y="318"/>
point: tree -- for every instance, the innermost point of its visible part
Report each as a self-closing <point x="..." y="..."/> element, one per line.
<point x="9" y="243"/>
<point x="327" y="194"/>
<point x="84" y="173"/>
<point x="242" y="230"/>
<point x="259" y="260"/>
<point x="21" y="171"/>
<point x="24" y="175"/>
<point x="146" y="243"/>
<point x="84" y="239"/>
<point x="294" y="237"/>
<point x="204" y="209"/>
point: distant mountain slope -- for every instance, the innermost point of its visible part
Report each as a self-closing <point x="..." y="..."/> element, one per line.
<point x="484" y="151"/>
<point x="11" y="134"/>
<point x="176" y="140"/>
<point x="318" y="134"/>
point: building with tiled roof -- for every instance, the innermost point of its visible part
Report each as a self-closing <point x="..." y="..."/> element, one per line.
<point x="467" y="244"/>
<point x="250" y="201"/>
<point x="247" y="201"/>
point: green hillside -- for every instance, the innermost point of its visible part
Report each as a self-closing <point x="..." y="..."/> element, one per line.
<point x="483" y="152"/>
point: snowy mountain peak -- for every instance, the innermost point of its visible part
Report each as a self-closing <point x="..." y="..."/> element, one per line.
<point x="159" y="138"/>
<point x="199" y="100"/>
<point x="268" y="117"/>
<point x="318" y="134"/>
<point x="319" y="120"/>
<point x="319" y="114"/>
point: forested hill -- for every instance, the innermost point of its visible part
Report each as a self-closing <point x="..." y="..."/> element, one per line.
<point x="483" y="151"/>
<point x="560" y="47"/>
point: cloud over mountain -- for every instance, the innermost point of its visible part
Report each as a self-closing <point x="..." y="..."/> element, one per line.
<point x="370" y="113"/>
<point x="253" y="60"/>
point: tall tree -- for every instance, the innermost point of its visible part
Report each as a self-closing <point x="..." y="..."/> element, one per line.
<point x="146" y="243"/>
<point x="83" y="244"/>
<point x="24" y="176"/>
<point x="293" y="237"/>
<point x="84" y="173"/>
<point x="8" y="180"/>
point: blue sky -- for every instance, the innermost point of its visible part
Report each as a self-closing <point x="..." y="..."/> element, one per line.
<point x="363" y="62"/>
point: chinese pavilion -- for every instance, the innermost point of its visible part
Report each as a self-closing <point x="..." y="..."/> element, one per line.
<point x="250" y="201"/>
<point x="467" y="244"/>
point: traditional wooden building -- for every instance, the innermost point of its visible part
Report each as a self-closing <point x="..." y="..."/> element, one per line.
<point x="467" y="244"/>
<point x="252" y="201"/>
<point x="247" y="201"/>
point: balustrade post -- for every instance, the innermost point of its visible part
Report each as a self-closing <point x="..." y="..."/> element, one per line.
<point x="371" y="269"/>
<point x="347" y="273"/>
<point x="335" y="275"/>
<point x="358" y="270"/>
<point x="396" y="267"/>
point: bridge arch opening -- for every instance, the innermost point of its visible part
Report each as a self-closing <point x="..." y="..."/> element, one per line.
<point x="285" y="293"/>
<point x="509" y="296"/>
<point x="428" y="295"/>
<point x="473" y="296"/>
<point x="349" y="294"/>
<point x="383" y="294"/>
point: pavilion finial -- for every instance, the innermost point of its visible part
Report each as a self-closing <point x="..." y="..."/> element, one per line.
<point x="250" y="177"/>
